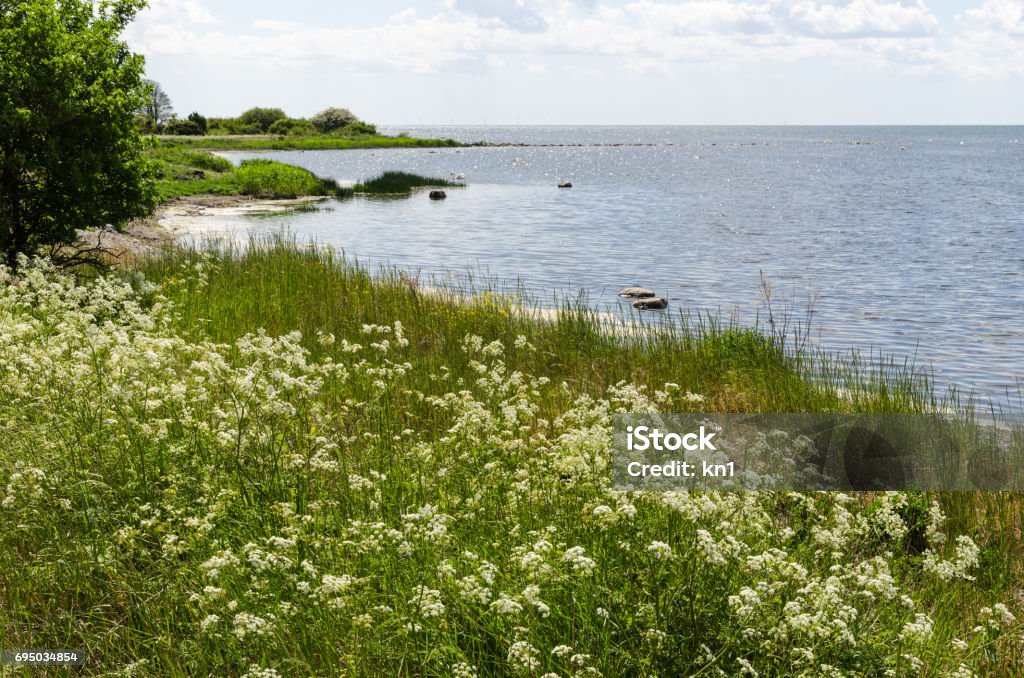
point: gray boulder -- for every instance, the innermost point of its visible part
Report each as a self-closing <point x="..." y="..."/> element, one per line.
<point x="438" y="195"/>
<point x="636" y="292"/>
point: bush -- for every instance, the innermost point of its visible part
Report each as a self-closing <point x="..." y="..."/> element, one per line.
<point x="144" y="124"/>
<point x="183" y="128"/>
<point x="356" y="129"/>
<point x="199" y="120"/>
<point x="260" y="119"/>
<point x="271" y="179"/>
<point x="331" y="119"/>
<point x="291" y="127"/>
<point x="221" y="126"/>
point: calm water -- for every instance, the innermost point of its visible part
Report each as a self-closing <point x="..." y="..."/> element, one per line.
<point x="912" y="239"/>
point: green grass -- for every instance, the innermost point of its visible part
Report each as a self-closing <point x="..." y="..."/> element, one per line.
<point x="316" y="143"/>
<point x="183" y="172"/>
<point x="271" y="179"/>
<point x="399" y="182"/>
<point x="276" y="458"/>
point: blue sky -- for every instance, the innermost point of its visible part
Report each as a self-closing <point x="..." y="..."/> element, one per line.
<point x="595" y="61"/>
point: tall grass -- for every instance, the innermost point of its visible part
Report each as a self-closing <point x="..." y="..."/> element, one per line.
<point x="398" y="182"/>
<point x="739" y="369"/>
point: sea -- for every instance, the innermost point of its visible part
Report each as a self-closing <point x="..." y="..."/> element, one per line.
<point x="901" y="244"/>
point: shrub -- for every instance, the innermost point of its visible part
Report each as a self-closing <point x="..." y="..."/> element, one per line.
<point x="331" y="119"/>
<point x="291" y="127"/>
<point x="260" y="119"/>
<point x="356" y="129"/>
<point x="183" y="128"/>
<point x="144" y="124"/>
<point x="199" y="120"/>
<point x="221" y="126"/>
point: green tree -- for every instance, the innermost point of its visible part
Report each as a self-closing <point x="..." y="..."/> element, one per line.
<point x="331" y="119"/>
<point x="292" y="126"/>
<point x="157" y="106"/>
<point x="182" y="128"/>
<point x="199" y="120"/>
<point x="70" y="156"/>
<point x="262" y="118"/>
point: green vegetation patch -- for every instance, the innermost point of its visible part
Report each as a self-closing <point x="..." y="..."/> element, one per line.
<point x="313" y="143"/>
<point x="181" y="171"/>
<point x="399" y="182"/>
<point x="271" y="179"/>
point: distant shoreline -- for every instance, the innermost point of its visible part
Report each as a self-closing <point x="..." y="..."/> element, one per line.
<point x="266" y="142"/>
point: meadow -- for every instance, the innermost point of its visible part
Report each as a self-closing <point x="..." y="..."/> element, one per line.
<point x="273" y="462"/>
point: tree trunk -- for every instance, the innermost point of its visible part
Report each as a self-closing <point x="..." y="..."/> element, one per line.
<point x="19" y="236"/>
<point x="15" y="239"/>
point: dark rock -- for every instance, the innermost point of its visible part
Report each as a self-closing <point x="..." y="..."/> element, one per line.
<point x="565" y="184"/>
<point x="651" y="304"/>
<point x="438" y="195"/>
<point x="637" y="292"/>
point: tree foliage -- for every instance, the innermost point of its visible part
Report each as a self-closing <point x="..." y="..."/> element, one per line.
<point x="331" y="119"/>
<point x="70" y="156"/>
<point x="199" y="120"/>
<point x="183" y="128"/>
<point x="157" y="106"/>
<point x="261" y="118"/>
<point x="292" y="126"/>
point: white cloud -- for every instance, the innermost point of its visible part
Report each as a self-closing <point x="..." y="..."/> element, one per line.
<point x="644" y="36"/>
<point x="999" y="16"/>
<point x="513" y="13"/>
<point x="187" y="11"/>
<point x="273" y="25"/>
<point x="992" y="44"/>
<point x="864" y="18"/>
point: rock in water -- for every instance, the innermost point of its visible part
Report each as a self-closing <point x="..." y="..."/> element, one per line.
<point x="565" y="184"/>
<point x="637" y="292"/>
<point x="651" y="304"/>
<point x="438" y="195"/>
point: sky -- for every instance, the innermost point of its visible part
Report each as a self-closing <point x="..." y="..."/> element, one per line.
<point x="610" y="62"/>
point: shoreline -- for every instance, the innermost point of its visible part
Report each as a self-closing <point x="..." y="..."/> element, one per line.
<point x="177" y="217"/>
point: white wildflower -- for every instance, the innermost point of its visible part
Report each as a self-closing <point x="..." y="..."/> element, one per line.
<point x="427" y="602"/>
<point x="249" y="624"/>
<point x="660" y="550"/>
